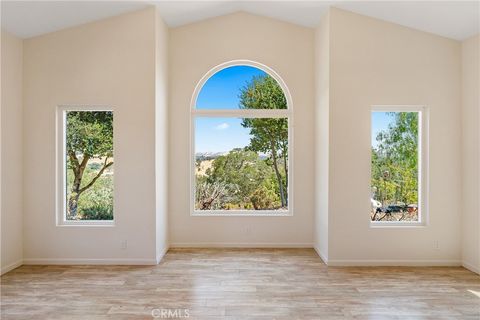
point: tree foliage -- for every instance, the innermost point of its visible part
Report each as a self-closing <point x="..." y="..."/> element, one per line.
<point x="89" y="135"/>
<point x="400" y="142"/>
<point x="395" y="161"/>
<point x="269" y="135"/>
<point x="234" y="180"/>
<point x="262" y="92"/>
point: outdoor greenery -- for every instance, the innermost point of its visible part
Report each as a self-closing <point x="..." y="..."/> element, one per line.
<point x="255" y="177"/>
<point x="89" y="152"/>
<point x="395" y="168"/>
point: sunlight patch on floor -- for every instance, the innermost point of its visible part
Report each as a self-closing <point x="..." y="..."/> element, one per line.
<point x="477" y="293"/>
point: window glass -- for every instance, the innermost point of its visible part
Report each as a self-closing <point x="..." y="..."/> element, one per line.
<point x="89" y="165"/>
<point x="240" y="87"/>
<point x="242" y="160"/>
<point x="241" y="164"/>
<point x="395" y="166"/>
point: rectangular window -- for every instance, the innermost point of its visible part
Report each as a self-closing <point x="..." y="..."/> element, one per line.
<point x="85" y="166"/>
<point x="234" y="174"/>
<point x="397" y="166"/>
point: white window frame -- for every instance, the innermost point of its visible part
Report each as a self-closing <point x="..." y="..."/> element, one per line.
<point x="242" y="113"/>
<point x="423" y="181"/>
<point x="61" y="168"/>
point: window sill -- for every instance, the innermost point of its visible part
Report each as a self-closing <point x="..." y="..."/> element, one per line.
<point x="240" y="213"/>
<point x="87" y="223"/>
<point x="380" y="225"/>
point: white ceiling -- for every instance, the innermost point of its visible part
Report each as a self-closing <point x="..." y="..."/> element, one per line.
<point x="32" y="18"/>
<point x="453" y="19"/>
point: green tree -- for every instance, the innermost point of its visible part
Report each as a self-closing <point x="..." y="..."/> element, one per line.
<point x="241" y="171"/>
<point x="265" y="196"/>
<point x="239" y="179"/>
<point x="395" y="160"/>
<point x="400" y="141"/>
<point x="89" y="135"/>
<point x="209" y="195"/>
<point x="269" y="135"/>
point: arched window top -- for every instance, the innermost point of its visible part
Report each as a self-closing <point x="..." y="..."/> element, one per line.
<point x="241" y="85"/>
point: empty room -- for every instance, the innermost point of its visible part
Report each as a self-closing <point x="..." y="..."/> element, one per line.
<point x="240" y="160"/>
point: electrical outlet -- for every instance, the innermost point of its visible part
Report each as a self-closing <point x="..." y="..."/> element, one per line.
<point x="436" y="245"/>
<point x="248" y="230"/>
<point x="123" y="245"/>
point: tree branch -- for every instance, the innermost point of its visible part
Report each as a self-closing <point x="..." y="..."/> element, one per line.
<point x="105" y="166"/>
<point x="382" y="217"/>
<point x="84" y="161"/>
<point x="73" y="159"/>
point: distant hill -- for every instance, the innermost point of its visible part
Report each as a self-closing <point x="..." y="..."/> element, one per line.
<point x="202" y="156"/>
<point x="209" y="155"/>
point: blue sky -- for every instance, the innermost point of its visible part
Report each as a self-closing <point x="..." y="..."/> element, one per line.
<point x="220" y="134"/>
<point x="221" y="92"/>
<point x="222" y="89"/>
<point x="380" y="122"/>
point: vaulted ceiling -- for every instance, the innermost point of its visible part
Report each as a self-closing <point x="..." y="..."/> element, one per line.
<point x="453" y="19"/>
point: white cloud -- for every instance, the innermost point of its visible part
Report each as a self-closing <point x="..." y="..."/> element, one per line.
<point x="222" y="126"/>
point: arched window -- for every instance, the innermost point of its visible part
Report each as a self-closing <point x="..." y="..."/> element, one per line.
<point x="241" y="142"/>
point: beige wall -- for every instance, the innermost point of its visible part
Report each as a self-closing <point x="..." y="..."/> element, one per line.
<point x="11" y="152"/>
<point x="194" y="50"/>
<point x="161" y="136"/>
<point x="322" y="104"/>
<point x="148" y="74"/>
<point x="373" y="62"/>
<point x="110" y="62"/>
<point x="470" y="155"/>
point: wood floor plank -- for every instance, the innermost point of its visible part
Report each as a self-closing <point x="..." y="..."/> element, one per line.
<point x="232" y="284"/>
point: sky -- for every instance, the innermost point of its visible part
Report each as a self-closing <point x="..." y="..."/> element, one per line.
<point x="221" y="91"/>
<point x="220" y="134"/>
<point x="380" y="122"/>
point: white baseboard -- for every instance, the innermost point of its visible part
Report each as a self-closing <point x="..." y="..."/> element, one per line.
<point x="11" y="266"/>
<point x="324" y="259"/>
<point x="127" y="262"/>
<point x="239" y="245"/>
<point x="394" y="263"/>
<point x="161" y="254"/>
<point x="330" y="263"/>
<point x="470" y="267"/>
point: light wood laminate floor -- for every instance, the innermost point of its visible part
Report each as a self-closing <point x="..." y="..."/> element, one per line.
<point x="240" y="284"/>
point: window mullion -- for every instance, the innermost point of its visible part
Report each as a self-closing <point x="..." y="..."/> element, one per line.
<point x="243" y="113"/>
